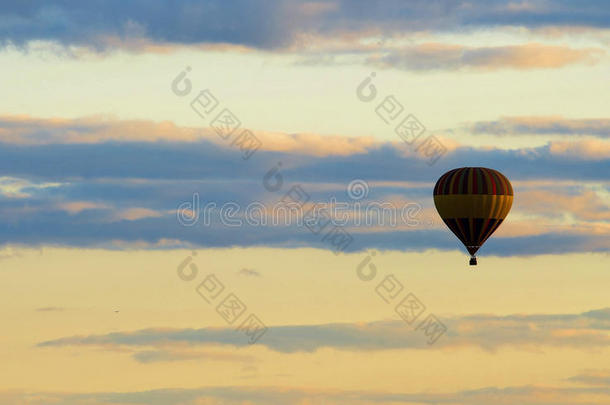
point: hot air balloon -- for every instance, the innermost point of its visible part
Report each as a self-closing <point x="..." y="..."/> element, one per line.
<point x="473" y="202"/>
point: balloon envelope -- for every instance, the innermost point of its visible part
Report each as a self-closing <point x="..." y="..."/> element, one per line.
<point x="473" y="202"/>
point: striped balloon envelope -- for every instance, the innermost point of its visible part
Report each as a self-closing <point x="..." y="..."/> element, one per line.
<point x="473" y="202"/>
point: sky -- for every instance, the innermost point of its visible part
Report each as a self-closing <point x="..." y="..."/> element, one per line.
<point x="148" y="150"/>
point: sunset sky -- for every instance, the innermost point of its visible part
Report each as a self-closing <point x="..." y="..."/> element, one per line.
<point x="129" y="215"/>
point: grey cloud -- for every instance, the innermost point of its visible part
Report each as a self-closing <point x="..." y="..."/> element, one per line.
<point x="272" y="24"/>
<point x="162" y="356"/>
<point x="599" y="127"/>
<point x="244" y="22"/>
<point x="84" y="194"/>
<point x="249" y="273"/>
<point x="236" y="395"/>
<point x="429" y="57"/>
<point x="488" y="332"/>
<point x="124" y="177"/>
<point x="50" y="309"/>
<point x="156" y="356"/>
<point x="593" y="378"/>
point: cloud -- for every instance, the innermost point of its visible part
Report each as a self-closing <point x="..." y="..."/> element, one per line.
<point x="594" y="234"/>
<point x="111" y="213"/>
<point x="587" y="205"/>
<point x="76" y="207"/>
<point x="12" y="187"/>
<point x="50" y="309"/>
<point x="10" y="251"/>
<point x="240" y="395"/>
<point x="583" y="331"/>
<point x="158" y="25"/>
<point x="115" y="23"/>
<point x="593" y="377"/>
<point x="436" y="56"/>
<point x="123" y="192"/>
<point x="249" y="273"/>
<point x="553" y="125"/>
<point x="134" y="214"/>
<point x="162" y="356"/>
<point x="316" y="144"/>
<point x="24" y="130"/>
<point x="586" y="149"/>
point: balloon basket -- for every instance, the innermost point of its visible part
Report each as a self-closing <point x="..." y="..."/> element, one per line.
<point x="473" y="261"/>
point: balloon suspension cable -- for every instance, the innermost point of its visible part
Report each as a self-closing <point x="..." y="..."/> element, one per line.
<point x="473" y="260"/>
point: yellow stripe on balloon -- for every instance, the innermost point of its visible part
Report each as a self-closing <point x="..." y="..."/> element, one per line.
<point x="473" y="205"/>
